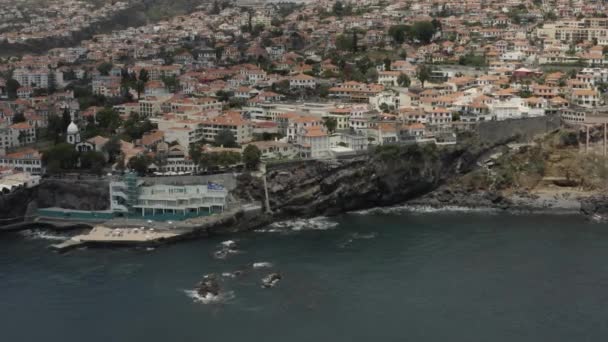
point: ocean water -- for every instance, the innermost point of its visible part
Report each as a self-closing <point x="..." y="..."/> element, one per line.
<point x="370" y="276"/>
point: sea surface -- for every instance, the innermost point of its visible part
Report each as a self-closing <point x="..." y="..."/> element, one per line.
<point x="385" y="275"/>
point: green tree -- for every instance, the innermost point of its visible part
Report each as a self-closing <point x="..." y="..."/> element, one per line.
<point x="216" y="8"/>
<point x="330" y="123"/>
<point x="113" y="148"/>
<point x="18" y="117"/>
<point x="225" y="138"/>
<point x="66" y="119"/>
<point x="387" y="64"/>
<point x="54" y="129"/>
<point x="134" y="127"/>
<point x="139" y="164"/>
<point x="144" y="75"/>
<point x="140" y="83"/>
<point x="104" y="68"/>
<point x="11" y="88"/>
<point x="525" y="92"/>
<point x="195" y="152"/>
<point x="371" y="74"/>
<point x="108" y="120"/>
<point x="223" y="96"/>
<point x="171" y="82"/>
<point x="344" y="42"/>
<point x="252" y="156"/>
<point x="423" y="31"/>
<point x="423" y="73"/>
<point x="60" y="157"/>
<point x="403" y="80"/>
<point x="22" y="137"/>
<point x="93" y="161"/>
<point x="120" y="162"/>
<point x="398" y="33"/>
<point x="338" y="8"/>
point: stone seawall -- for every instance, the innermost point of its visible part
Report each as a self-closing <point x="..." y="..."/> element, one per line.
<point x="525" y="129"/>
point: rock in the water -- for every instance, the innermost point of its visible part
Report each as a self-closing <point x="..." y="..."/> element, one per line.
<point x="208" y="286"/>
<point x="226" y="248"/>
<point x="271" y="280"/>
<point x="221" y="254"/>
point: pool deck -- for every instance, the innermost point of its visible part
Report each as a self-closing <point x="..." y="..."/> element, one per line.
<point x="126" y="235"/>
<point x="117" y="236"/>
<point x="133" y="232"/>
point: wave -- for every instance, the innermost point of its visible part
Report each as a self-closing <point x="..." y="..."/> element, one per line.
<point x="228" y="244"/>
<point x="262" y="264"/>
<point x="43" y="235"/>
<point x="223" y="297"/>
<point x="296" y="225"/>
<point x="357" y="236"/>
<point x="422" y="209"/>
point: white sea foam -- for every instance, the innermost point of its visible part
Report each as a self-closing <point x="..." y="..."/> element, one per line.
<point x="223" y="297"/>
<point x="224" y="253"/>
<point x="357" y="236"/>
<point x="364" y="236"/>
<point x="228" y="244"/>
<point x="315" y="223"/>
<point x="422" y="209"/>
<point x="43" y="235"/>
<point x="262" y="264"/>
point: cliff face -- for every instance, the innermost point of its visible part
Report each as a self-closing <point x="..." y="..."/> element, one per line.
<point x="69" y="194"/>
<point x="73" y="194"/>
<point x="14" y="205"/>
<point x="393" y="175"/>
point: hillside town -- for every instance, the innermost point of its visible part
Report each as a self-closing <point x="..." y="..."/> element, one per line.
<point x="21" y="21"/>
<point x="232" y="84"/>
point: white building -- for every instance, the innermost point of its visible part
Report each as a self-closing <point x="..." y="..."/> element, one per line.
<point x="11" y="180"/>
<point x="27" y="160"/>
<point x="38" y="78"/>
<point x="161" y="199"/>
<point x="302" y="81"/>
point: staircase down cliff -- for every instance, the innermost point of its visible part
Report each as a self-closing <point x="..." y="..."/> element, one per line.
<point x="390" y="175"/>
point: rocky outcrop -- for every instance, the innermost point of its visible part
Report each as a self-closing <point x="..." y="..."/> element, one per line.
<point x="209" y="286"/>
<point x="469" y="198"/>
<point x="595" y="207"/>
<point x="74" y="194"/>
<point x="391" y="175"/>
<point x="69" y="194"/>
<point x="15" y="204"/>
<point x="271" y="280"/>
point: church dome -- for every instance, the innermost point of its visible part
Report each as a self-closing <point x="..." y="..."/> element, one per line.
<point x="72" y="128"/>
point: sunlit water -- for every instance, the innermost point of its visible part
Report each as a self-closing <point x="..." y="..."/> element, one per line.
<point x="376" y="276"/>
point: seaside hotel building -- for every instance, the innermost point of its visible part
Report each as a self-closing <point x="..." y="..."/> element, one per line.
<point x="129" y="197"/>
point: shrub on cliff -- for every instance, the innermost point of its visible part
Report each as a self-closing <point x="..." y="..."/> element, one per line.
<point x="60" y="157"/>
<point x="252" y="156"/>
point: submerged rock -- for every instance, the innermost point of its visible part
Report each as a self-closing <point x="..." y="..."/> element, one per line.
<point x="271" y="280"/>
<point x="209" y="286"/>
<point x="226" y="248"/>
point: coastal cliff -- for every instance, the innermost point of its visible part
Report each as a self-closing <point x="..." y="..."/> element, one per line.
<point x="392" y="175"/>
<point x="68" y="194"/>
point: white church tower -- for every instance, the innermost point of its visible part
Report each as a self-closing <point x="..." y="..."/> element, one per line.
<point x="73" y="134"/>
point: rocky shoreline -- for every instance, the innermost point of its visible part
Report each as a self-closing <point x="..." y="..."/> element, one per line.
<point x="591" y="206"/>
<point x="425" y="176"/>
